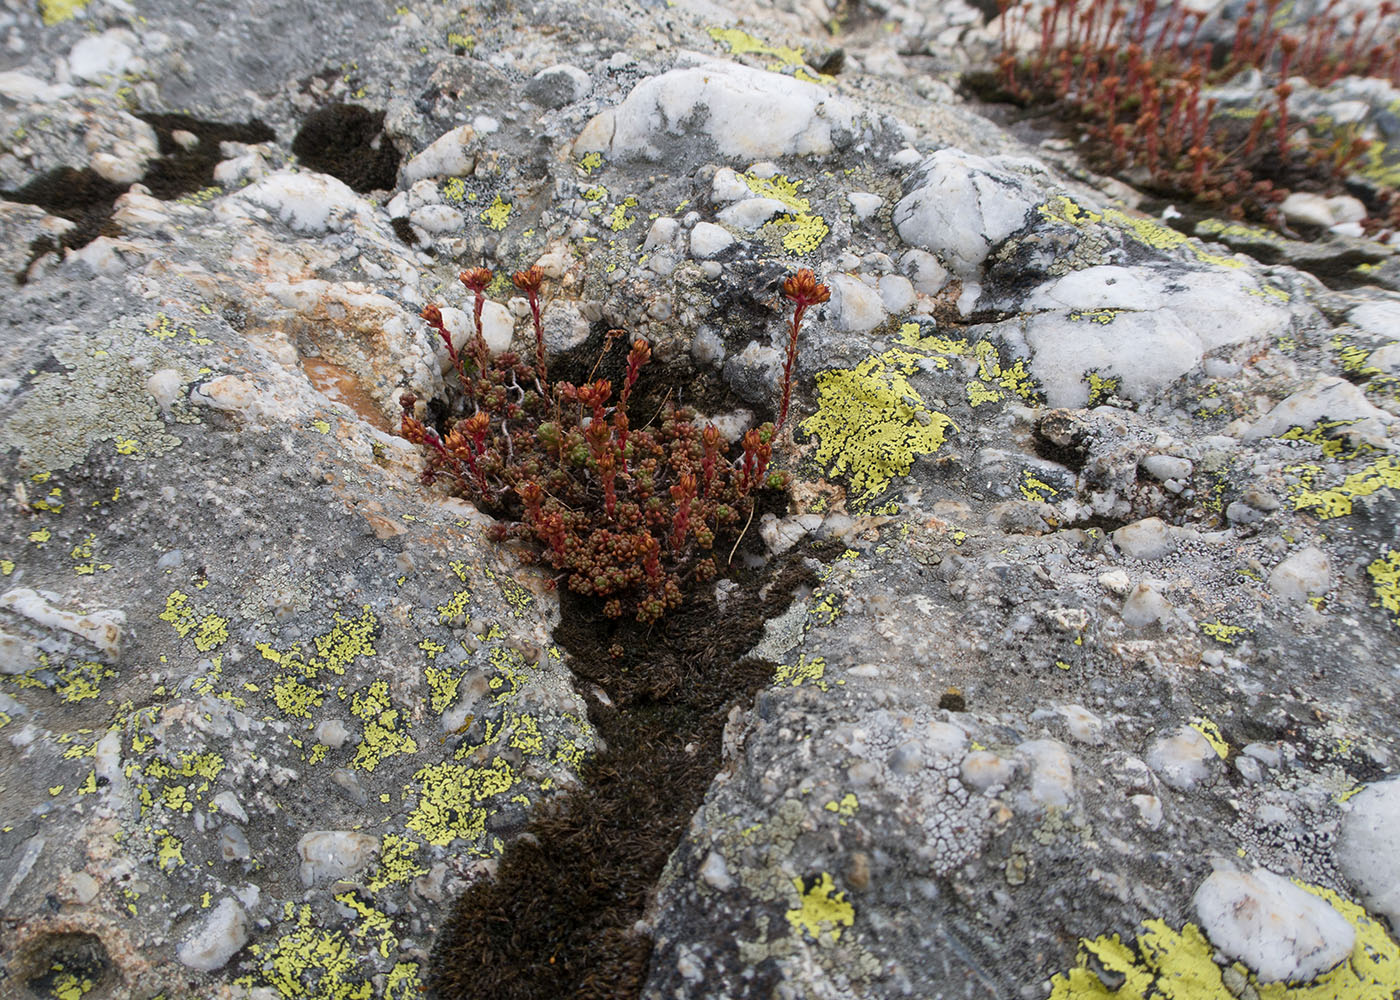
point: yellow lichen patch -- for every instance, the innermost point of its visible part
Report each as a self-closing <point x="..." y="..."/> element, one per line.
<point x="402" y="982"/>
<point x="742" y="43"/>
<point x="293" y="689"/>
<point x="442" y="687"/>
<point x="822" y="912"/>
<point x="844" y="809"/>
<point x="210" y="630"/>
<point x="55" y="11"/>
<point x="1322" y="435"/>
<point x="1102" y="388"/>
<point x="450" y="801"/>
<point x="397" y="862"/>
<point x="1223" y="632"/>
<point x="803" y="671"/>
<point x="1384" y="572"/>
<point x="1035" y="489"/>
<point x="1151" y="234"/>
<point x="1103" y="317"/>
<point x="313" y="964"/>
<point x="373" y="923"/>
<point x="872" y="424"/>
<point x="1213" y="736"/>
<point x="82" y="680"/>
<point x="1180" y="965"/>
<point x="1337" y="501"/>
<point x="497" y="214"/>
<point x="620" y="219"/>
<point x="85" y="563"/>
<point x="382" y="737"/>
<point x="590" y="162"/>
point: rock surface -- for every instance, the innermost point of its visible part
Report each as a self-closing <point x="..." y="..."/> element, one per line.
<point x="1092" y="675"/>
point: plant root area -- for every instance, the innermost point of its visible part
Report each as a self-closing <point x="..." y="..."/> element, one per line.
<point x="560" y="917"/>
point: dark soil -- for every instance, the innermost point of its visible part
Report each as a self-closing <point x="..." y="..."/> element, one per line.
<point x="558" y="920"/>
<point x="348" y="142"/>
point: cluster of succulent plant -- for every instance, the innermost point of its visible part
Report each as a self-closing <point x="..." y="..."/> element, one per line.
<point x="1135" y="77"/>
<point x="628" y="515"/>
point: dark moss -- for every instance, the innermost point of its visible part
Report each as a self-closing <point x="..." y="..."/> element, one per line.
<point x="559" y="919"/>
<point x="348" y="142"/>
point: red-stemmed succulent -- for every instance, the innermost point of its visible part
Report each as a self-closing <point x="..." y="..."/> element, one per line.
<point x="628" y="515"/>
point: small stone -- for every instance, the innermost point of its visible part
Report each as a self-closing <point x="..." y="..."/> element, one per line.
<point x="1183" y="759"/>
<point x="708" y="240"/>
<point x="166" y="386"/>
<point x="1306" y="573"/>
<point x="1052" y="772"/>
<point x="864" y="204"/>
<point x="449" y="155"/>
<point x="333" y="733"/>
<point x="227" y="803"/>
<point x="233" y="844"/>
<point x="1149" y="538"/>
<point x="751" y="212"/>
<point x="1278" y="930"/>
<point x="908" y="758"/>
<point x="220" y="936"/>
<point x="333" y="854"/>
<point x="437" y="219"/>
<point x="1368" y="848"/>
<point x="662" y="233"/>
<point x="1083" y="725"/>
<point x="1145" y="606"/>
<point x="1165" y="467"/>
<point x="1115" y="581"/>
<point x="715" y="872"/>
<point x="557" y="86"/>
<point x="897" y="293"/>
<point x="1149" y="809"/>
<point x="925" y="271"/>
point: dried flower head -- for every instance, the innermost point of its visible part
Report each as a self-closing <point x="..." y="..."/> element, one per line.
<point x="804" y="289"/>
<point x="476" y="279"/>
<point x="529" y="280"/>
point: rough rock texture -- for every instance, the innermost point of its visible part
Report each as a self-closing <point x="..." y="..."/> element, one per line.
<point x="1101" y="518"/>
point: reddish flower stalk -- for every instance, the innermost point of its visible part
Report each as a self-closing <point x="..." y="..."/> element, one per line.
<point x="529" y="282"/>
<point x="682" y="493"/>
<point x="804" y="290"/>
<point x="476" y="281"/>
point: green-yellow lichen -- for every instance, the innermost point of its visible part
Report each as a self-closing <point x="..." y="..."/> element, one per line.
<point x="450" y="801"/>
<point x="620" y="219"/>
<point x="1384" y="572"/>
<point x="55" y="11"/>
<point x="1035" y="489"/>
<point x="1151" y="234"/>
<point x="1102" y="388"/>
<point x="497" y="214"/>
<point x="803" y="671"/>
<point x="742" y="43"/>
<point x="1384" y="473"/>
<point x="383" y="736"/>
<point x="397" y="862"/>
<point x="871" y="423"/>
<point x="1213" y="736"/>
<point x="310" y="963"/>
<point x="1223" y="632"/>
<point x="1180" y="965"/>
<point x="590" y="162"/>
<point x="1323" y="435"/>
<point x="822" y="912"/>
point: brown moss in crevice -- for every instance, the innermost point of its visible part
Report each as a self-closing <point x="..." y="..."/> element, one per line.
<point x="559" y="918"/>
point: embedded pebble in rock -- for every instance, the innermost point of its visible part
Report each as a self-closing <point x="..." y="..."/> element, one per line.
<point x="716" y="873"/>
<point x="333" y="733"/>
<point x="106" y="55"/>
<point x="437" y="219"/>
<point x="1328" y="398"/>
<point x="961" y="205"/>
<point x="897" y="293"/>
<point x="925" y="271"/>
<point x="864" y="204"/>
<point x="1368" y="847"/>
<point x="982" y="769"/>
<point x="1083" y="725"/>
<point x="557" y="86"/>
<point x="1183" y="759"/>
<point x="1052" y="772"/>
<point x="219" y="936"/>
<point x="708" y="240"/>
<point x="308" y="203"/>
<point x="855" y="306"/>
<point x="1279" y="931"/>
<point x="1146" y="606"/>
<point x="751" y="213"/>
<point x="166" y="385"/>
<point x="1149" y="810"/>
<point x="721" y="101"/>
<point x="1306" y="573"/>
<point x="1164" y="468"/>
<point x="1149" y="538"/>
<point x="227" y="802"/>
<point x="333" y="854"/>
<point x="452" y="154"/>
